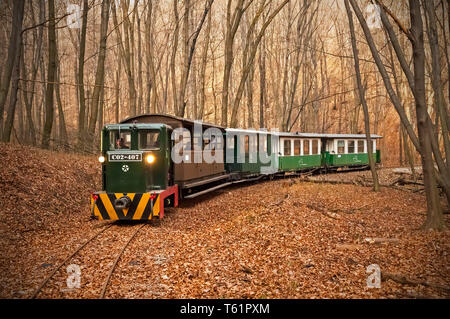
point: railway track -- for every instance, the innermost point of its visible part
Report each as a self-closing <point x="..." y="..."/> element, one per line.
<point x="79" y="249"/>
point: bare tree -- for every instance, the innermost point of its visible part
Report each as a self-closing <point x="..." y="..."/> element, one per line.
<point x="126" y="48"/>
<point x="424" y="143"/>
<point x="100" y="73"/>
<point x="189" y="49"/>
<point x="232" y="23"/>
<point x="13" y="55"/>
<point x="250" y="49"/>
<point x="204" y="61"/>
<point x="63" y="138"/>
<point x="51" y="76"/>
<point x="376" y="185"/>
<point x="81" y="92"/>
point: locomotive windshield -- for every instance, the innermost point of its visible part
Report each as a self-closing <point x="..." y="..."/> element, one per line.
<point x="119" y="140"/>
<point x="148" y="140"/>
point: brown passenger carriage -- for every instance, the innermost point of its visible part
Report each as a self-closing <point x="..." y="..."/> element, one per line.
<point x="191" y="177"/>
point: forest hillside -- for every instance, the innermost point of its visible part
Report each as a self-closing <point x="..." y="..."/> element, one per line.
<point x="286" y="238"/>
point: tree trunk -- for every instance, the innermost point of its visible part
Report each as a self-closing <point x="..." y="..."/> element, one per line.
<point x="117" y="91"/>
<point x="384" y="75"/>
<point x="139" y="62"/>
<point x="125" y="52"/>
<point x="436" y="79"/>
<point x="51" y="72"/>
<point x="203" y="66"/>
<point x="376" y="185"/>
<point x="173" y="57"/>
<point x="262" y="81"/>
<point x="100" y="73"/>
<point x="189" y="53"/>
<point x="63" y="138"/>
<point x="81" y="96"/>
<point x="435" y="217"/>
<point x="152" y="93"/>
<point x="13" y="54"/>
<point x="251" y="57"/>
<point x="13" y="97"/>
<point x="232" y="24"/>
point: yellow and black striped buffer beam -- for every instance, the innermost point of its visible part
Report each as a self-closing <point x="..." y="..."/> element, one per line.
<point x="142" y="207"/>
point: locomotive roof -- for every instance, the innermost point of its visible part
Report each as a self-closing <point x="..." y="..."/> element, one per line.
<point x="138" y="125"/>
<point x="168" y="119"/>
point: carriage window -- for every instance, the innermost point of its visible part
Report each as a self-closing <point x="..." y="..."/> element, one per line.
<point x="263" y="140"/>
<point x="315" y="147"/>
<point x="351" y="146"/>
<point x="186" y="139"/>
<point x="360" y="146"/>
<point x="305" y="147"/>
<point x="230" y="142"/>
<point x="296" y="147"/>
<point x="119" y="141"/>
<point x="341" y="146"/>
<point x="206" y="142"/>
<point x="214" y="143"/>
<point x="287" y="147"/>
<point x="148" y="140"/>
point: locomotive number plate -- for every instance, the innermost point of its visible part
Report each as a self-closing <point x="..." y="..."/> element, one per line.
<point x="125" y="157"/>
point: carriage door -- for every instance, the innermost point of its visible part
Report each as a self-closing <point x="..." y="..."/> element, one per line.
<point x="170" y="144"/>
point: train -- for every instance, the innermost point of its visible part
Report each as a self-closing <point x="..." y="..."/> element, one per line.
<point x="152" y="161"/>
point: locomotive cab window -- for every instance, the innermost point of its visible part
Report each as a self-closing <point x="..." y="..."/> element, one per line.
<point x="149" y="140"/>
<point x="119" y="140"/>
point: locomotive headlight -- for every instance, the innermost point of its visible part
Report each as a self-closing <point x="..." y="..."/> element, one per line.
<point x="101" y="159"/>
<point x="150" y="159"/>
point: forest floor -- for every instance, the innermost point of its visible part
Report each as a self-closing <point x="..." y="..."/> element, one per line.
<point x="285" y="238"/>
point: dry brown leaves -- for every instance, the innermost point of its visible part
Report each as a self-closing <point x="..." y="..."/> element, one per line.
<point x="278" y="239"/>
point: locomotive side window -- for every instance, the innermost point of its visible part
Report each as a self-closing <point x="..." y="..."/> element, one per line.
<point x="119" y="141"/>
<point x="148" y="140"/>
<point x="341" y="146"/>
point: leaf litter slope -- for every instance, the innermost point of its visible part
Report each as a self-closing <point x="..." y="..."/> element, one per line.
<point x="279" y="239"/>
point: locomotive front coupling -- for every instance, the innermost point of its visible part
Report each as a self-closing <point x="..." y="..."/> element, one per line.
<point x="123" y="202"/>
